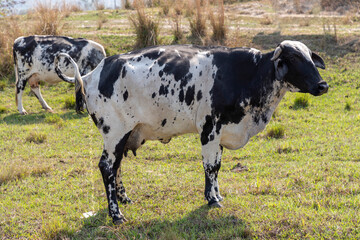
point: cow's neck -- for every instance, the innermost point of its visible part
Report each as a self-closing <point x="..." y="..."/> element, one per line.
<point x="267" y="91"/>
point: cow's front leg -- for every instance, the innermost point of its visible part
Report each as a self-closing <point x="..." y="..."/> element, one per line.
<point x="108" y="173"/>
<point x="20" y="86"/>
<point x="109" y="165"/>
<point x="211" y="154"/>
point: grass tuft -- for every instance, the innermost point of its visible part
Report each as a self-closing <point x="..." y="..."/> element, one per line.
<point x="146" y="29"/>
<point x="3" y="109"/>
<point x="266" y="20"/>
<point x="276" y="131"/>
<point x="101" y="20"/>
<point x="301" y="101"/>
<point x="69" y="102"/>
<point x="347" y="106"/>
<point x="19" y="171"/>
<point x="52" y="118"/>
<point x="2" y="85"/>
<point x="36" y="137"/>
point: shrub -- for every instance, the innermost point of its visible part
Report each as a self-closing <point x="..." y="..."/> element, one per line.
<point x="146" y="29"/>
<point x="165" y="7"/>
<point x="69" y="102"/>
<point x="276" y="131"/>
<point x="301" y="101"/>
<point x="347" y="106"/>
<point x="218" y="23"/>
<point x="266" y="20"/>
<point x="48" y="19"/>
<point x="36" y="137"/>
<point x="3" y="109"/>
<point x="198" y="22"/>
<point x="9" y="31"/>
<point x="101" y="20"/>
<point x="177" y="31"/>
<point x="99" y="5"/>
<point x="2" y="85"/>
<point x="127" y="4"/>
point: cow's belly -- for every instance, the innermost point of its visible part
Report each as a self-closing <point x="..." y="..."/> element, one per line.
<point x="46" y="72"/>
<point x="235" y="136"/>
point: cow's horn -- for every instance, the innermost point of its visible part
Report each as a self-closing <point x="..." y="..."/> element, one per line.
<point x="276" y="53"/>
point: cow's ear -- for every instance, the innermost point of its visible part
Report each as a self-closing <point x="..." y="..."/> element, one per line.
<point x="318" y="61"/>
<point x="281" y="69"/>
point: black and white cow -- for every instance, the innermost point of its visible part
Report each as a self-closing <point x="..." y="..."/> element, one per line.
<point x="34" y="61"/>
<point x="226" y="95"/>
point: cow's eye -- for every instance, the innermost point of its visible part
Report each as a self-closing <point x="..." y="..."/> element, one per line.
<point x="292" y="58"/>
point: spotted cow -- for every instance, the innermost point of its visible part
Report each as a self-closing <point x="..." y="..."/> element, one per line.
<point x="226" y="95"/>
<point x="34" y="61"/>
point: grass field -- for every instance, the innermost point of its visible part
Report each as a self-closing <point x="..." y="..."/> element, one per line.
<point x="304" y="185"/>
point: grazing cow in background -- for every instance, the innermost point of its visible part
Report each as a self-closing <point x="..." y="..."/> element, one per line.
<point x="226" y="95"/>
<point x="34" y="61"/>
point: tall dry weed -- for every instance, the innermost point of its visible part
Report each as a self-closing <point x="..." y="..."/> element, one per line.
<point x="217" y="21"/>
<point x="146" y="29"/>
<point x="198" y="21"/>
<point x="178" y="33"/>
<point x="9" y="31"/>
<point x="48" y="18"/>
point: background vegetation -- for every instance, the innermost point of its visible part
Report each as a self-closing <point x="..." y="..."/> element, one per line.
<point x="298" y="179"/>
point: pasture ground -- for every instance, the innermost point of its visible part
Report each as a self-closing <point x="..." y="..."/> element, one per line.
<point x="302" y="186"/>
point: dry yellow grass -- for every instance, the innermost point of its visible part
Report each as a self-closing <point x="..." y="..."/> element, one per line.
<point x="217" y="21"/>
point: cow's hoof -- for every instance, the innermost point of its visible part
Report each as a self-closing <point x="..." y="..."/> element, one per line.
<point x="23" y="113"/>
<point x="119" y="221"/>
<point x="49" y="110"/>
<point x="215" y="205"/>
<point x="125" y="200"/>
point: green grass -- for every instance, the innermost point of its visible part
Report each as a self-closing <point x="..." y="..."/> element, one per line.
<point x="304" y="185"/>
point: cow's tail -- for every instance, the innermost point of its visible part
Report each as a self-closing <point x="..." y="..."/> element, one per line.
<point x="16" y="75"/>
<point x="77" y="79"/>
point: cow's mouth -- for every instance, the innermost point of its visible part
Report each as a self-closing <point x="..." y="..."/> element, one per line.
<point x="322" y="88"/>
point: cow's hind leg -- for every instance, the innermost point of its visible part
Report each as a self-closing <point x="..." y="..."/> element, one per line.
<point x="211" y="154"/>
<point x="109" y="164"/>
<point x="35" y="88"/>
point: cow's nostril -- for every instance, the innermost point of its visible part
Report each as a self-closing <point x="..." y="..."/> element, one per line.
<point x="323" y="87"/>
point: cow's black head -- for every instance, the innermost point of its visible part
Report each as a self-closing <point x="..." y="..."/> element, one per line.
<point x="296" y="65"/>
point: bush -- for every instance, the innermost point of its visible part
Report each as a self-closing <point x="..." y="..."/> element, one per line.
<point x="301" y="101"/>
<point x="36" y="137"/>
<point x="198" y="22"/>
<point x="48" y="19"/>
<point x="69" y="102"/>
<point x="347" y="106"/>
<point x="9" y="31"/>
<point x="276" y="131"/>
<point x="146" y="29"/>
<point x="101" y="20"/>
<point x="218" y="23"/>
<point x="3" y="109"/>
<point x="177" y="31"/>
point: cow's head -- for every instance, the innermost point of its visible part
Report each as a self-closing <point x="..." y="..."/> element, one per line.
<point x="296" y="65"/>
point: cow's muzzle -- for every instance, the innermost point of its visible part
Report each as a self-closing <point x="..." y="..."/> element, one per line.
<point x="322" y="88"/>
